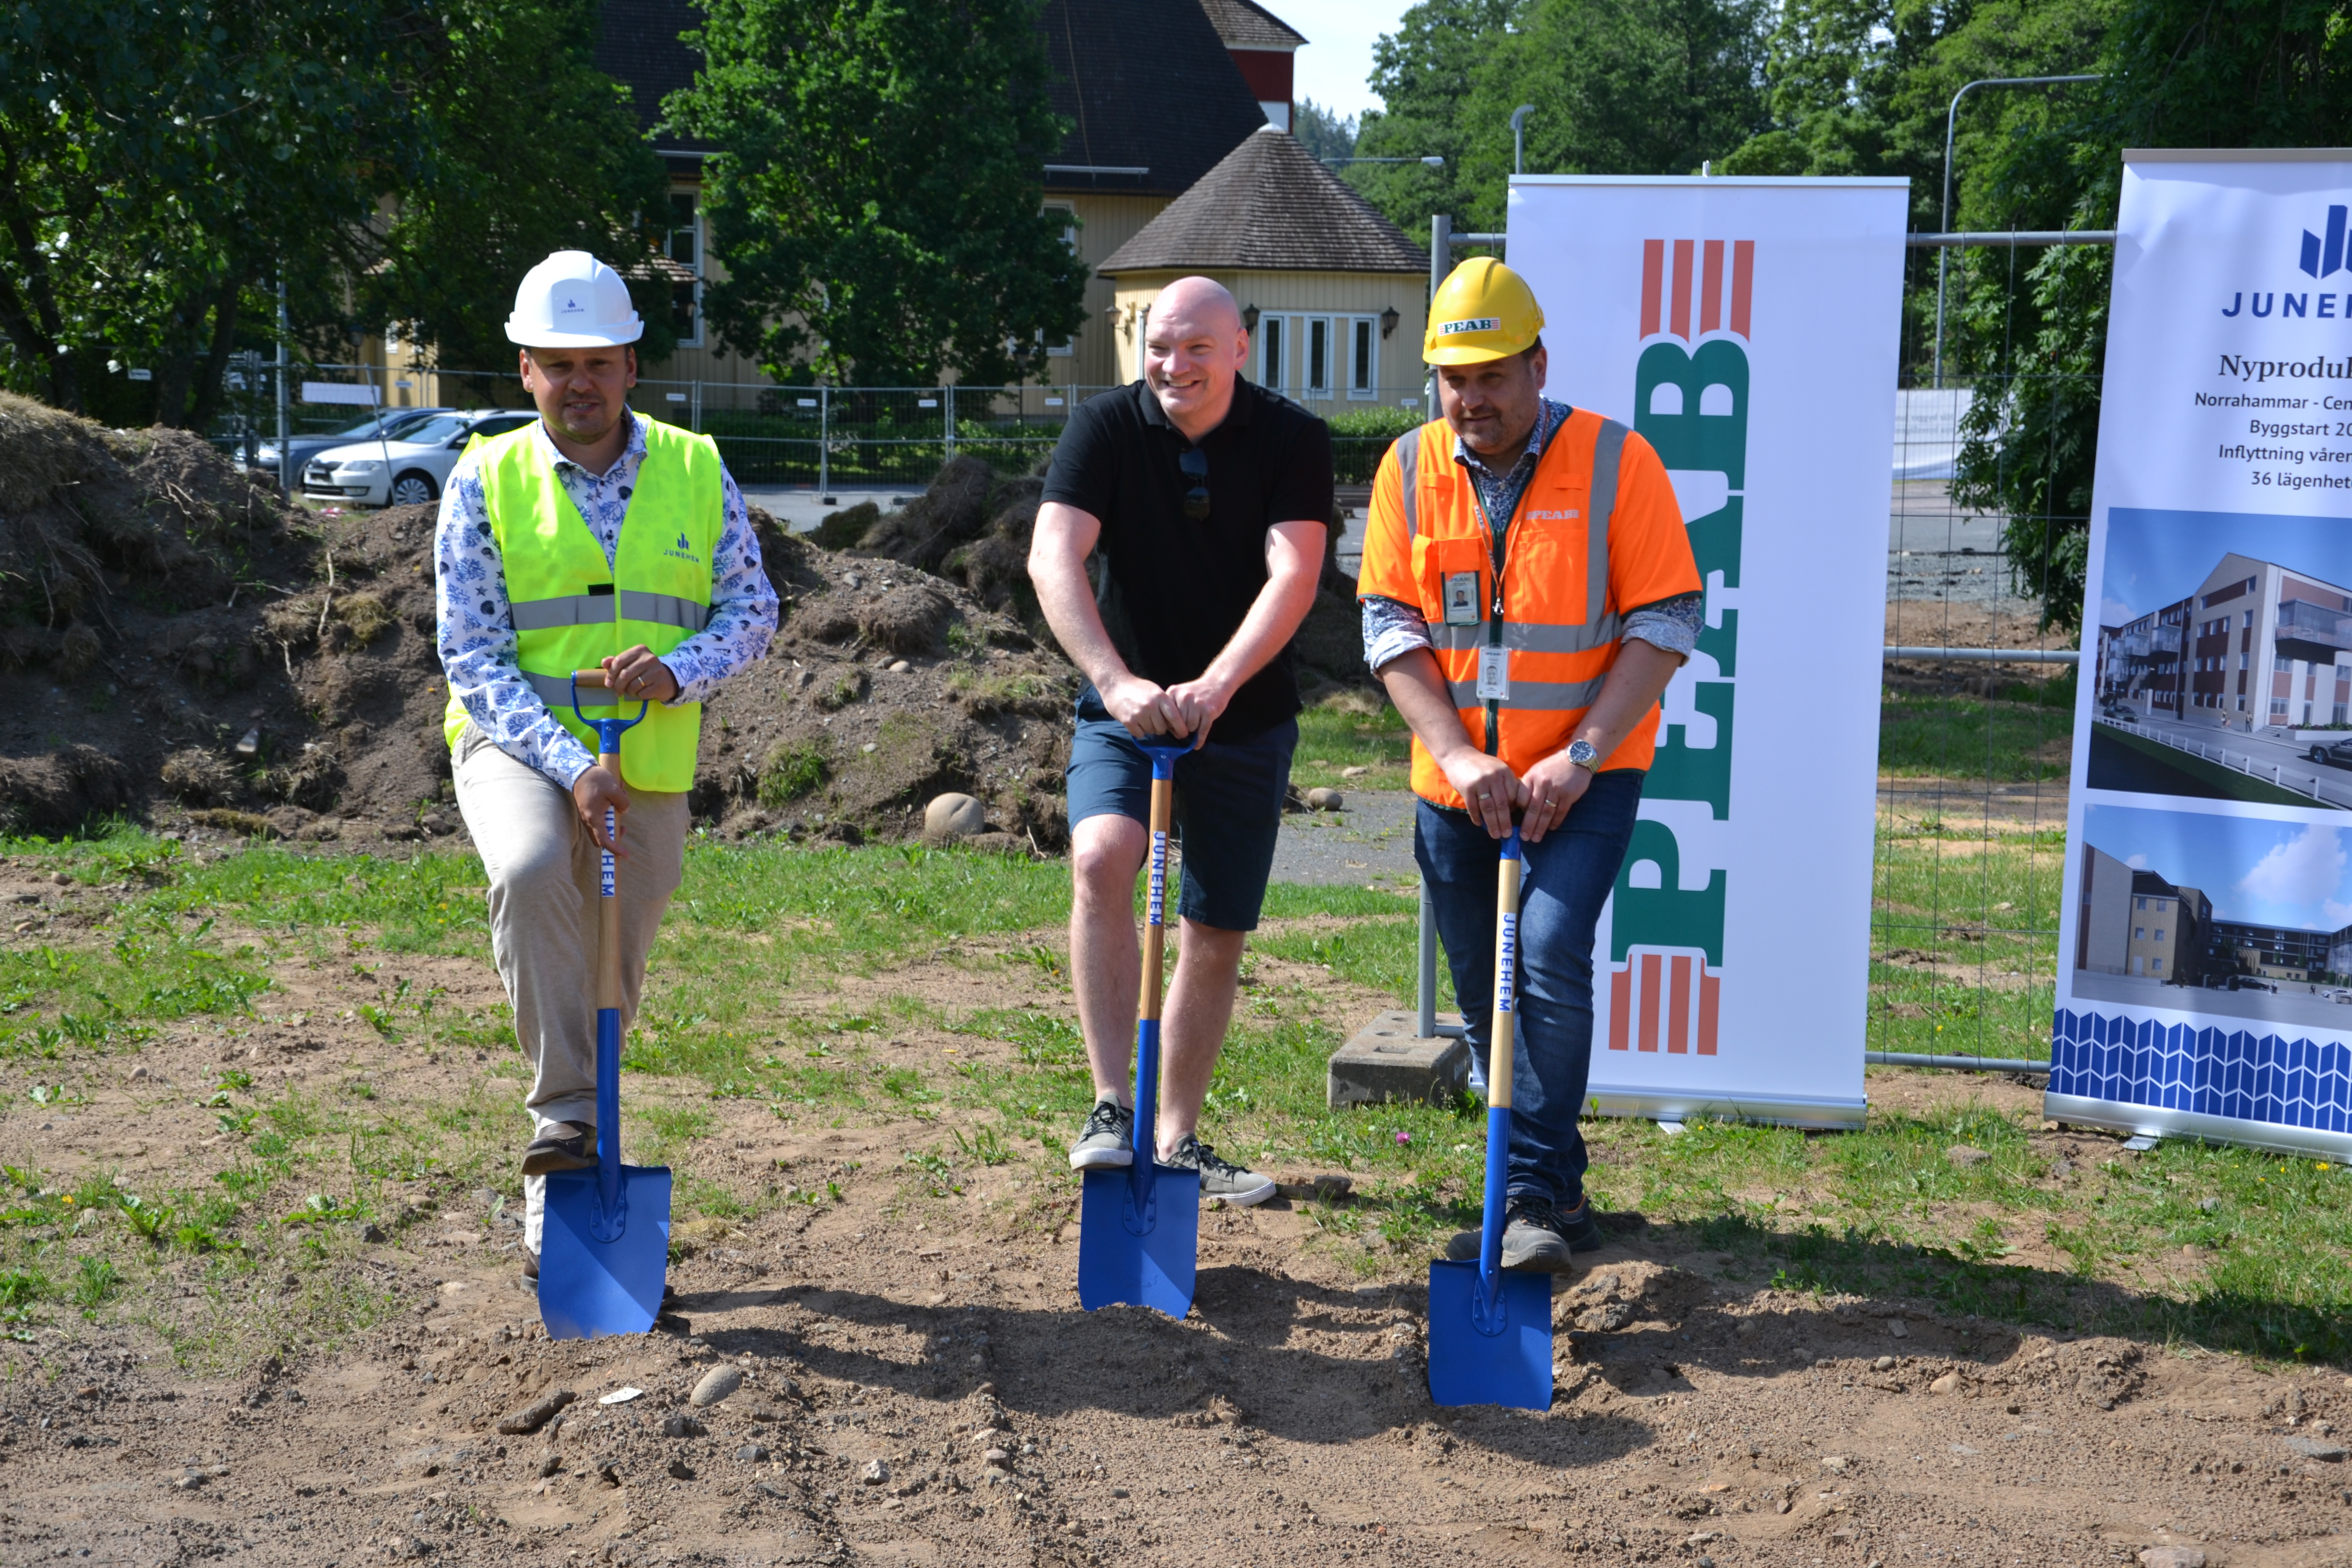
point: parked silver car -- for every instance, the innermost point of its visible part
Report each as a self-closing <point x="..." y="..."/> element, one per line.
<point x="398" y="421"/>
<point x="409" y="470"/>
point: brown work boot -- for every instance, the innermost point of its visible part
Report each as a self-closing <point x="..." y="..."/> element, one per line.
<point x="560" y="1146"/>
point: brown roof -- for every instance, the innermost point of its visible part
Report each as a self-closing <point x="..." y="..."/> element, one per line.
<point x="1245" y="24"/>
<point x="1270" y="206"/>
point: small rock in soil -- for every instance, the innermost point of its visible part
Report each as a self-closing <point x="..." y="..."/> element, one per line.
<point x="953" y="815"/>
<point x="1356" y="773"/>
<point x="680" y="1471"/>
<point x="1321" y="799"/>
<point x="2172" y="1557"/>
<point x="874" y="1474"/>
<point x="1895" y="1326"/>
<point x="681" y="1424"/>
<point x="753" y="1452"/>
<point x="2317" y="1448"/>
<point x="716" y="1384"/>
<point x="372" y="1232"/>
<point x="1883" y="1364"/>
<point x="1834" y="1464"/>
<point x="997" y="1459"/>
<point x="1947" y="1384"/>
<point x="535" y="1415"/>
<point x="550" y="1463"/>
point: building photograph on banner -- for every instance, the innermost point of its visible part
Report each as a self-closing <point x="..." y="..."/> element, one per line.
<point x="1747" y="329"/>
<point x="2207" y="923"/>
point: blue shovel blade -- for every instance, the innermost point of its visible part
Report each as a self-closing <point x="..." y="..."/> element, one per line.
<point x="1148" y="1259"/>
<point x="1475" y="1359"/>
<point x="589" y="1288"/>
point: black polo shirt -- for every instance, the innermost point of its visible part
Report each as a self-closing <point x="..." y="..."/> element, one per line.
<point x="1174" y="591"/>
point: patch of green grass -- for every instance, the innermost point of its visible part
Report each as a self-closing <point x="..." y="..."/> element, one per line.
<point x="1334" y="736"/>
<point x="2020" y="737"/>
<point x="792" y="770"/>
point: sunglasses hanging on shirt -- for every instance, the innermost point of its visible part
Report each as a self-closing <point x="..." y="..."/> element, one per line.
<point x="1195" y="464"/>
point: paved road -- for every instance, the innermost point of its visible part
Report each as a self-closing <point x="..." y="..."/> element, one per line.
<point x="2291" y="1003"/>
<point x="1371" y="841"/>
<point x="801" y="508"/>
<point x="2277" y="761"/>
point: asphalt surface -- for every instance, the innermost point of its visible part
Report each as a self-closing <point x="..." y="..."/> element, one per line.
<point x="1368" y="842"/>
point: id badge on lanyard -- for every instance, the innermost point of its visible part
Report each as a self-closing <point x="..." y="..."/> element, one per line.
<point x="1494" y="675"/>
<point x="1462" y="599"/>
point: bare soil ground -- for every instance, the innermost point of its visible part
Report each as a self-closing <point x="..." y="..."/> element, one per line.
<point x="919" y="1386"/>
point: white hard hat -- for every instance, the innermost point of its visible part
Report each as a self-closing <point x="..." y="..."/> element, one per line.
<point x="572" y="300"/>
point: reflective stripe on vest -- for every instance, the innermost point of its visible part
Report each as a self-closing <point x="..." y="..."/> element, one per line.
<point x="595" y="609"/>
<point x="1540" y="636"/>
<point x="1555" y="567"/>
<point x="572" y="607"/>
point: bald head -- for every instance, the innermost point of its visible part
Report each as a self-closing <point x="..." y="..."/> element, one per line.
<point x="1193" y="347"/>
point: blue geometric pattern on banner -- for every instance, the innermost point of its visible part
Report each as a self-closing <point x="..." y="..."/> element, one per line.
<point x="2232" y="1073"/>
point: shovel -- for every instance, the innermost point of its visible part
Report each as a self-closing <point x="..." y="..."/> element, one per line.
<point x="604" y="1253"/>
<point x="1489" y="1332"/>
<point x="1139" y="1228"/>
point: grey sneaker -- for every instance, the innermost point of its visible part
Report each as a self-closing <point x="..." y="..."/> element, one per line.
<point x="560" y="1146"/>
<point x="1107" y="1140"/>
<point x="1219" y="1178"/>
<point x="1536" y="1236"/>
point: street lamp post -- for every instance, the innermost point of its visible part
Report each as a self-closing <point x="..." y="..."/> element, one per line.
<point x="1951" y="118"/>
<point x="1519" y="137"/>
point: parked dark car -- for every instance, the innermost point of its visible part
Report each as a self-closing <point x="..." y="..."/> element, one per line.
<point x="2337" y="753"/>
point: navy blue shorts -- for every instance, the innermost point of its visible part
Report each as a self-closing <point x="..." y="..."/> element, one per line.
<point x="1228" y="807"/>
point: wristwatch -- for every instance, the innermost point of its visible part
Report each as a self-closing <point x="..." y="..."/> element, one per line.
<point x="1583" y="754"/>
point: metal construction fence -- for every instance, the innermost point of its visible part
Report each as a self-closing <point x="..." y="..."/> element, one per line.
<point x="1978" y="702"/>
<point x="825" y="438"/>
<point x="1977" y="706"/>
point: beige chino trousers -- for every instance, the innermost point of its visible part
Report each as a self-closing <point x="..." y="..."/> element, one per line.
<point x="545" y="882"/>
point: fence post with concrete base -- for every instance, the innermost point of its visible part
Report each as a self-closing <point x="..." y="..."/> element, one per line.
<point x="1417" y="1056"/>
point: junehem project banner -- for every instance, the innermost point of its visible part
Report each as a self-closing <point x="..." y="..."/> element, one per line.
<point x="2205" y="933"/>
<point x="1749" y="330"/>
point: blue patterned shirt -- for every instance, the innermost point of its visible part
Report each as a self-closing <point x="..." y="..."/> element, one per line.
<point x="477" y="618"/>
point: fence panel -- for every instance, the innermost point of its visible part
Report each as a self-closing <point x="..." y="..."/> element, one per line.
<point x="1974" y="754"/>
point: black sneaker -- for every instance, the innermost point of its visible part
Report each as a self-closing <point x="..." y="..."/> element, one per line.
<point x="1219" y="1178"/>
<point x="1537" y="1235"/>
<point x="560" y="1146"/>
<point x="1107" y="1140"/>
<point x="531" y="1269"/>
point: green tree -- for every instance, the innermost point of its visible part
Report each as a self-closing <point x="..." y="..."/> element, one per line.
<point x="1324" y="132"/>
<point x="160" y="158"/>
<point x="1423" y="73"/>
<point x="501" y="182"/>
<point x="1654" y="87"/>
<point x="877" y="197"/>
<point x="2219" y="73"/>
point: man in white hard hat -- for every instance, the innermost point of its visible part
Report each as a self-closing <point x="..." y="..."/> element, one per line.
<point x="594" y="537"/>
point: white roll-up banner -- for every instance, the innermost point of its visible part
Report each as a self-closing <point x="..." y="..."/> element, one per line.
<point x="2205" y="940"/>
<point x="1749" y="330"/>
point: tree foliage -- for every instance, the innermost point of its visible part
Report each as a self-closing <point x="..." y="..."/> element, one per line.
<point x="877" y="192"/>
<point x="164" y="163"/>
<point x="1652" y="87"/>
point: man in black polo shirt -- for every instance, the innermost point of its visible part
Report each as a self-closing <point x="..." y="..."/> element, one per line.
<point x="1207" y="499"/>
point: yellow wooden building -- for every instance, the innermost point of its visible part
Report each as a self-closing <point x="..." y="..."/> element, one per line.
<point x="1333" y="293"/>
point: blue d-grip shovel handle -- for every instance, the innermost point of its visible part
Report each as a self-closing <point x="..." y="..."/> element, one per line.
<point x="1487" y="1306"/>
<point x="612" y="1216"/>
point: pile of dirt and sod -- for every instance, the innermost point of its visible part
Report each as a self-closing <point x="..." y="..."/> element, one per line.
<point x="884" y="687"/>
<point x="133" y="564"/>
<point x="972" y="527"/>
<point x="210" y="658"/>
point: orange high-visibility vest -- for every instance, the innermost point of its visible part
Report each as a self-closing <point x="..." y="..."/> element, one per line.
<point x="1596" y="531"/>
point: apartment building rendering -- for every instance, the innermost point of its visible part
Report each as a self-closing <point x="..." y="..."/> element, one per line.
<point x="2133" y="922"/>
<point x="2257" y="644"/>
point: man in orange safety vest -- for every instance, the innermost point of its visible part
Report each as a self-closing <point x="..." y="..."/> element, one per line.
<point x="1528" y="591"/>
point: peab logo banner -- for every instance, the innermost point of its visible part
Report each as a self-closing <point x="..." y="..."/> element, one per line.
<point x="1690" y="402"/>
<point x="1747" y="329"/>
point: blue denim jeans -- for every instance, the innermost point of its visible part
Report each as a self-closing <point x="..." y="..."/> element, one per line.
<point x="1568" y="878"/>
